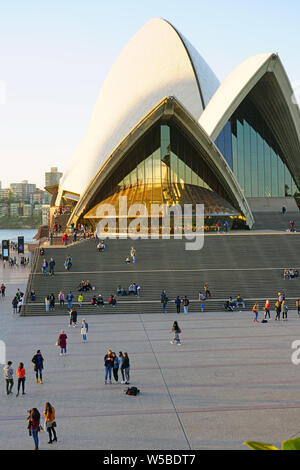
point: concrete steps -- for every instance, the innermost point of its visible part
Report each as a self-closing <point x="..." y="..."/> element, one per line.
<point x="249" y="265"/>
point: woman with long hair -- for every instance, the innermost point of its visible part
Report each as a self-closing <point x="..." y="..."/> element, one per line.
<point x="34" y="427"/>
<point x="176" y="330"/>
<point x="21" y="378"/>
<point x="50" y="423"/>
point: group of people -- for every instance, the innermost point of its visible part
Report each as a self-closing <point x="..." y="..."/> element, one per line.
<point x="219" y="226"/>
<point x="45" y="266"/>
<point x="68" y="263"/>
<point x="230" y="305"/>
<point x="178" y="302"/>
<point x="290" y="273"/>
<point x="18" y="301"/>
<point x="101" y="245"/>
<point x="34" y="424"/>
<point x="113" y="364"/>
<point x="84" y="286"/>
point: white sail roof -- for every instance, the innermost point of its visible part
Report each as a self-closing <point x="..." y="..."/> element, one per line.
<point x="157" y="62"/>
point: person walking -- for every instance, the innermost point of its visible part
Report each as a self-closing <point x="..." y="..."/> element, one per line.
<point x="84" y="330"/>
<point x="21" y="373"/>
<point x="38" y="362"/>
<point x="255" y="310"/>
<point x="126" y="368"/>
<point x="51" y="267"/>
<point x="284" y="310"/>
<point x="121" y="359"/>
<point x="62" y="343"/>
<point x="176" y="330"/>
<point x="15" y="304"/>
<point x="34" y="425"/>
<point x="267" y="309"/>
<point x="2" y="290"/>
<point x="44" y="267"/>
<point x="207" y="291"/>
<point x="52" y="302"/>
<point x="50" y="423"/>
<point x="70" y="297"/>
<point x="61" y="299"/>
<point x="108" y="363"/>
<point x="74" y="317"/>
<point x="277" y="309"/>
<point x="47" y="303"/>
<point x="164" y="300"/>
<point x="115" y="367"/>
<point x="178" y="303"/>
<point x="298" y="306"/>
<point x="9" y="377"/>
<point x="185" y="303"/>
<point x="20" y="303"/>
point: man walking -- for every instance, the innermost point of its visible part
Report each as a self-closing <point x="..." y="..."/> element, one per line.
<point x="8" y="375"/>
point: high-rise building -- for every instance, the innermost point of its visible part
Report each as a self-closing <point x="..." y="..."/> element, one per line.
<point x="52" y="177"/>
<point x="22" y="191"/>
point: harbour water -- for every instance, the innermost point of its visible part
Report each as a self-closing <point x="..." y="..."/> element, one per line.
<point x="13" y="234"/>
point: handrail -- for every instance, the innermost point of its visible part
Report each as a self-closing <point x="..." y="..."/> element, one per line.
<point x="29" y="283"/>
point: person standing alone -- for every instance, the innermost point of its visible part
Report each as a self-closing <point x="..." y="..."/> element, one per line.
<point x="38" y="362"/>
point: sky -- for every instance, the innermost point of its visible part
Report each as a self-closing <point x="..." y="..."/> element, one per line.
<point x="55" y="55"/>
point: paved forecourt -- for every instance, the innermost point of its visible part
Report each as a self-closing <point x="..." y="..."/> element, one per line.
<point x="231" y="380"/>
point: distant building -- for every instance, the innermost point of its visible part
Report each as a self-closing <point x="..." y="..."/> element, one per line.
<point x="22" y="191"/>
<point x="4" y="209"/>
<point x="16" y="209"/>
<point x="52" y="177"/>
<point x="45" y="213"/>
<point x="37" y="210"/>
<point x="27" y="210"/>
<point x="4" y="194"/>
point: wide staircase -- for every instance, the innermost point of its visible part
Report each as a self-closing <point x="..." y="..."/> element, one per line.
<point x="247" y="264"/>
<point x="276" y="221"/>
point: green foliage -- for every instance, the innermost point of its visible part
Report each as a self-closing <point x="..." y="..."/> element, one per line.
<point x="260" y="445"/>
<point x="290" y="444"/>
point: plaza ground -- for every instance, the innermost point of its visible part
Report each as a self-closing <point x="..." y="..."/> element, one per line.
<point x="231" y="380"/>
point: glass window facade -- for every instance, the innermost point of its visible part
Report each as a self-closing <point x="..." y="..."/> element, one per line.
<point x="163" y="162"/>
<point x="253" y="154"/>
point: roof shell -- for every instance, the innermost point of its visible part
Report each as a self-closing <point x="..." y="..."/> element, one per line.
<point x="156" y="62"/>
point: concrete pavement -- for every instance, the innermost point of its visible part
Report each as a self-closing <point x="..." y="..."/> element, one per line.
<point x="230" y="381"/>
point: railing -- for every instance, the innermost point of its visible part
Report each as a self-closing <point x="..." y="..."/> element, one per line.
<point x="29" y="283"/>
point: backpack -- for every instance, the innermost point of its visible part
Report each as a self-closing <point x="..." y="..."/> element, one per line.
<point x="132" y="391"/>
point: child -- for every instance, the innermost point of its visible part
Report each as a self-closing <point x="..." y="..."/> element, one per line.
<point x="80" y="300"/>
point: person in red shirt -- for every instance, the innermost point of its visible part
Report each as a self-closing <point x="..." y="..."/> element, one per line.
<point x="62" y="342"/>
<point x="292" y="224"/>
<point x="267" y="309"/>
<point x="21" y="372"/>
<point x="3" y="290"/>
<point x="34" y="425"/>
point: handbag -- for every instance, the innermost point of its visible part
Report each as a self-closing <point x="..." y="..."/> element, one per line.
<point x="57" y="343"/>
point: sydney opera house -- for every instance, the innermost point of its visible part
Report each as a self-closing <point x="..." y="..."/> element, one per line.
<point x="165" y="130"/>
